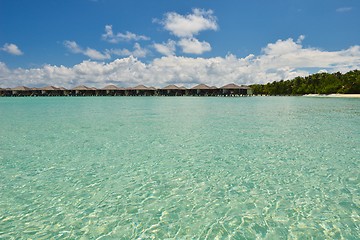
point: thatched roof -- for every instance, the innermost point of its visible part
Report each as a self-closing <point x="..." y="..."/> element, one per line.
<point x="49" y="88"/>
<point x="182" y="88"/>
<point x="21" y="88"/>
<point x="111" y="87"/>
<point x="140" y="87"/>
<point x="81" y="87"/>
<point x="245" y="87"/>
<point x="234" y="86"/>
<point x="231" y="86"/>
<point x="93" y="88"/>
<point x="213" y="87"/>
<point x="152" y="88"/>
<point x="171" y="87"/>
<point x="62" y="88"/>
<point x="201" y="87"/>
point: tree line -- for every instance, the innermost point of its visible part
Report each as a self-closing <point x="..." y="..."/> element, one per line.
<point x="318" y="83"/>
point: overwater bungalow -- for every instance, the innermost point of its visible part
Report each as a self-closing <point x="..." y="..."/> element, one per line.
<point x="21" y="91"/>
<point x="51" y="91"/>
<point x="83" y="90"/>
<point x="152" y="88"/>
<point x="112" y="90"/>
<point x="66" y="92"/>
<point x="247" y="90"/>
<point x="153" y="91"/>
<point x="140" y="90"/>
<point x="215" y="91"/>
<point x="172" y="90"/>
<point x="35" y="92"/>
<point x="5" y="92"/>
<point x="202" y="90"/>
<point x="233" y="89"/>
<point x="96" y="92"/>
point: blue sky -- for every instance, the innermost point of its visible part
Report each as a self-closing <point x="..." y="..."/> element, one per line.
<point x="159" y="42"/>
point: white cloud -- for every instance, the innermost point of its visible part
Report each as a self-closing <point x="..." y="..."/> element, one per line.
<point x="294" y="55"/>
<point x="300" y="39"/>
<point x="191" y="24"/>
<point x="72" y="46"/>
<point x="118" y="37"/>
<point x="344" y="9"/>
<point x="12" y="49"/>
<point x="91" y="53"/>
<point x="94" y="54"/>
<point x="137" y="52"/>
<point x="284" y="59"/>
<point x="282" y="47"/>
<point x="194" y="46"/>
<point x="167" y="49"/>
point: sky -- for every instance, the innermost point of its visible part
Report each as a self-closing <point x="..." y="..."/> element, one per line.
<point x="184" y="42"/>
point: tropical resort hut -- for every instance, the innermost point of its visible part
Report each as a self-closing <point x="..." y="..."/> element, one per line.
<point x="21" y="91"/>
<point x="5" y="92"/>
<point x="247" y="89"/>
<point x="82" y="90"/>
<point x="35" y="91"/>
<point x="184" y="90"/>
<point x="201" y="90"/>
<point x="215" y="91"/>
<point x="235" y="90"/>
<point x="172" y="90"/>
<point x="65" y="92"/>
<point x="230" y="89"/>
<point x="140" y="90"/>
<point x="51" y="91"/>
<point x="96" y="92"/>
<point x="112" y="90"/>
<point x="153" y="91"/>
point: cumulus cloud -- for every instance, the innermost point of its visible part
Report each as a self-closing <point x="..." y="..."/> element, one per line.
<point x="12" y="49"/>
<point x="191" y="24"/>
<point x="194" y="46"/>
<point x="118" y="37"/>
<point x="138" y="51"/>
<point x="91" y="53"/>
<point x="167" y="49"/>
<point x="284" y="59"/>
<point x="292" y="54"/>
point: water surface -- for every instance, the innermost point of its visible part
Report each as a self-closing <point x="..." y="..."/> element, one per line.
<point x="179" y="168"/>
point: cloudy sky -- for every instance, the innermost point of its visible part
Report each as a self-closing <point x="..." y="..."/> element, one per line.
<point x="185" y="42"/>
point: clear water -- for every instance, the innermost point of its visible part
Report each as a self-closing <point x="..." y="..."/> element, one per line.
<point x="179" y="168"/>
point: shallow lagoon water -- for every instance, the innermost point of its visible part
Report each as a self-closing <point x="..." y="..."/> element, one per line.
<point x="179" y="168"/>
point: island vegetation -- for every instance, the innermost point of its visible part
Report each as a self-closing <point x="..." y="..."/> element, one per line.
<point x="319" y="83"/>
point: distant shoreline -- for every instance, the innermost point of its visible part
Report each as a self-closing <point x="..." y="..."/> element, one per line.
<point x="334" y="95"/>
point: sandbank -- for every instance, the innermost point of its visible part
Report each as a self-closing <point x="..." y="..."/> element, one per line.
<point x="334" y="95"/>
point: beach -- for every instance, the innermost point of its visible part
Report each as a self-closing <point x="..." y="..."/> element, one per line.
<point x="334" y="95"/>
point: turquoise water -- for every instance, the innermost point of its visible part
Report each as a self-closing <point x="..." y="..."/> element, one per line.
<point x="179" y="168"/>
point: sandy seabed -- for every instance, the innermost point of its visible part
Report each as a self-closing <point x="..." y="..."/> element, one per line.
<point x="334" y="95"/>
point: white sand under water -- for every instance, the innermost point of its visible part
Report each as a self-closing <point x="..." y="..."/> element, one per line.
<point x="334" y="95"/>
